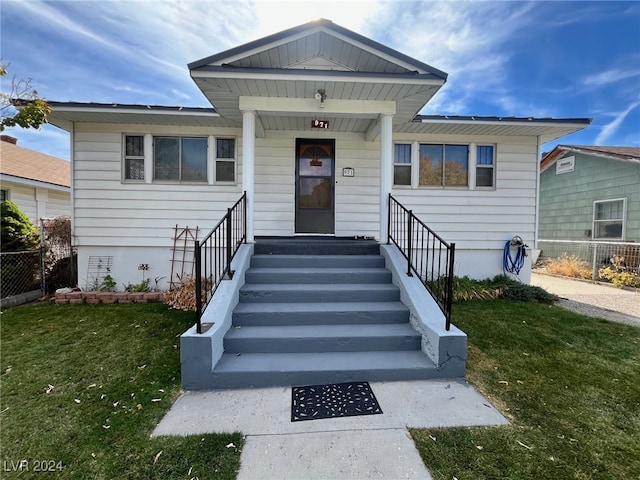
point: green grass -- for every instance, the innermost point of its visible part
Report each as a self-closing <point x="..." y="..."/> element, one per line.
<point x="569" y="384"/>
<point x="84" y="386"/>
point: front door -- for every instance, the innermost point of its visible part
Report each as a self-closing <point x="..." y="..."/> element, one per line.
<point x="315" y="199"/>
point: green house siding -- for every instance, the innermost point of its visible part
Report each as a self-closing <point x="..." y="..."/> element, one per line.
<point x="566" y="200"/>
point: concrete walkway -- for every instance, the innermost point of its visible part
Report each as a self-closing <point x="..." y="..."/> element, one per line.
<point x="593" y="299"/>
<point x="362" y="447"/>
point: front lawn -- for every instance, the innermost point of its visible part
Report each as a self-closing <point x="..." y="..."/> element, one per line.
<point x="83" y="386"/>
<point x="569" y="384"/>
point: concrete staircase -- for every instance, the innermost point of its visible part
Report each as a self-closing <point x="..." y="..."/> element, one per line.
<point x="313" y="312"/>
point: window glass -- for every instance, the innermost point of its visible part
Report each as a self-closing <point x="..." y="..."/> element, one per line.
<point x="134" y="157"/>
<point x="402" y="164"/>
<point x="431" y="164"/>
<point x="4" y="195"/>
<point x="484" y="166"/>
<point x="194" y="159"/>
<point x="225" y="171"/>
<point x="609" y="219"/>
<point x="165" y="162"/>
<point x="225" y="148"/>
<point x="456" y="165"/>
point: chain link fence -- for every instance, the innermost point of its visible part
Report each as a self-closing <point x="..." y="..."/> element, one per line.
<point x="27" y="275"/>
<point x="621" y="256"/>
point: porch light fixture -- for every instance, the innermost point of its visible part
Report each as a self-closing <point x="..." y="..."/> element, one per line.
<point x="322" y="96"/>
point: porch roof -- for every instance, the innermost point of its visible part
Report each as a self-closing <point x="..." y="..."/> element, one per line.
<point x="317" y="56"/>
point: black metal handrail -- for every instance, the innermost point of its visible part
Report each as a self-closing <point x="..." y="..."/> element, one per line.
<point x="214" y="253"/>
<point x="427" y="254"/>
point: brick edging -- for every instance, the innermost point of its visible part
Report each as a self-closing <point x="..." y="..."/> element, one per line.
<point x="108" y="297"/>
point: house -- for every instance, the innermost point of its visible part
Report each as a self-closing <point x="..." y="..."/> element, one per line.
<point x="590" y="205"/>
<point x="590" y="193"/>
<point x="319" y="126"/>
<point x="38" y="183"/>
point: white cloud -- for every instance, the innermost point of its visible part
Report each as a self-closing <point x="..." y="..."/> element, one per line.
<point x="612" y="127"/>
<point x="611" y="76"/>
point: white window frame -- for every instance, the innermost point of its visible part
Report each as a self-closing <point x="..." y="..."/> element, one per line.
<point x="475" y="148"/>
<point x="126" y="157"/>
<point x="179" y="180"/>
<point x="623" y="220"/>
<point x="217" y="159"/>
<point x="409" y="165"/>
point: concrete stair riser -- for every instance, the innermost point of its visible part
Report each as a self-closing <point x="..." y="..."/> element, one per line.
<point x="249" y="314"/>
<point x="322" y="338"/>
<point x="318" y="275"/>
<point x="317" y="261"/>
<point x="319" y="293"/>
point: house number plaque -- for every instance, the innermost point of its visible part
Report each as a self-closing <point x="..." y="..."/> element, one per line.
<point x="319" y="123"/>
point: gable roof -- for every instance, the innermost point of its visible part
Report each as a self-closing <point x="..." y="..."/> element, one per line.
<point x="297" y="62"/>
<point x="630" y="154"/>
<point x="25" y="164"/>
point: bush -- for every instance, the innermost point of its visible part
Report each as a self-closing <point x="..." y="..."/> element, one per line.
<point x="620" y="278"/>
<point x="499" y="287"/>
<point x="569" y="266"/>
<point x="184" y="297"/>
<point x="17" y="232"/>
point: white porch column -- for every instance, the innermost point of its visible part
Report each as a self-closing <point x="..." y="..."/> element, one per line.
<point x="248" y="165"/>
<point x="386" y="171"/>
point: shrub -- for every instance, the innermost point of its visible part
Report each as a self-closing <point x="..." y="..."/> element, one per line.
<point x="17" y="232"/>
<point x="184" y="297"/>
<point x="499" y="287"/>
<point x="569" y="266"/>
<point x="620" y="278"/>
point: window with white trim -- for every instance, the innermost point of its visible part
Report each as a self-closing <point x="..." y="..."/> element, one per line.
<point x="225" y="170"/>
<point x="402" y="164"/>
<point x="180" y="159"/>
<point x="444" y="165"/>
<point x="485" y="171"/>
<point x="609" y="219"/>
<point x="134" y="158"/>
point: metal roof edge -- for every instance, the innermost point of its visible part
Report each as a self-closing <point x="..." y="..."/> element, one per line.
<point x="492" y="120"/>
<point x="132" y="108"/>
<point x="551" y="157"/>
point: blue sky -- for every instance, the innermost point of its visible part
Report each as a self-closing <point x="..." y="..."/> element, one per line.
<point x="505" y="58"/>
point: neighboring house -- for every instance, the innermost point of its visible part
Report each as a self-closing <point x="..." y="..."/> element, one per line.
<point x="590" y="193"/>
<point x="38" y="183"/>
<point x="316" y="90"/>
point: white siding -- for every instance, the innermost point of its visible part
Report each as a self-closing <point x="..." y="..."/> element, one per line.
<point x="481" y="219"/>
<point x="24" y="198"/>
<point x="58" y="203"/>
<point x="109" y="212"/>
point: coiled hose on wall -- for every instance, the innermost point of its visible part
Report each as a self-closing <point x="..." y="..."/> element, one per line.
<point x="509" y="263"/>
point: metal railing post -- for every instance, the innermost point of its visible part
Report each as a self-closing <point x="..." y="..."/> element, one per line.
<point x="389" y="220"/>
<point x="409" y="242"/>
<point x="452" y="257"/>
<point x="197" y="255"/>
<point x="229" y="247"/>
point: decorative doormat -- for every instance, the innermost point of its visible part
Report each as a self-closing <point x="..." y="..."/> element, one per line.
<point x="333" y="400"/>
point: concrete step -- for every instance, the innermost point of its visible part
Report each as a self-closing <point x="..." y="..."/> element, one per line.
<point x="317" y="275"/>
<point x="326" y="313"/>
<point x="315" y="246"/>
<point x="297" y="369"/>
<point x="287" y="293"/>
<point x="321" y="338"/>
<point x="317" y="261"/>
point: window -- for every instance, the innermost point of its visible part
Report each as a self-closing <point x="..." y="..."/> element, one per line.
<point x="4" y="195"/>
<point x="444" y="165"/>
<point x="484" y="166"/>
<point x="180" y="159"/>
<point x="608" y="219"/>
<point x="402" y="164"/>
<point x="134" y="157"/>
<point x="225" y="160"/>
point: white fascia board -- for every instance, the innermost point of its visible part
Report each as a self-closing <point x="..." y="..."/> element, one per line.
<point x="343" y="77"/>
<point x="273" y="105"/>
<point x="599" y="154"/>
<point x="27" y="182"/>
<point x="503" y="123"/>
<point x="137" y="111"/>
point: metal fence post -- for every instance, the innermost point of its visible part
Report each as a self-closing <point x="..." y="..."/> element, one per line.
<point x="197" y="257"/>
<point x="409" y="242"/>
<point x="229" y="247"/>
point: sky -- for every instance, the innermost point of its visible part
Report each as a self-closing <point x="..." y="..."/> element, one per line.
<point x="542" y="59"/>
